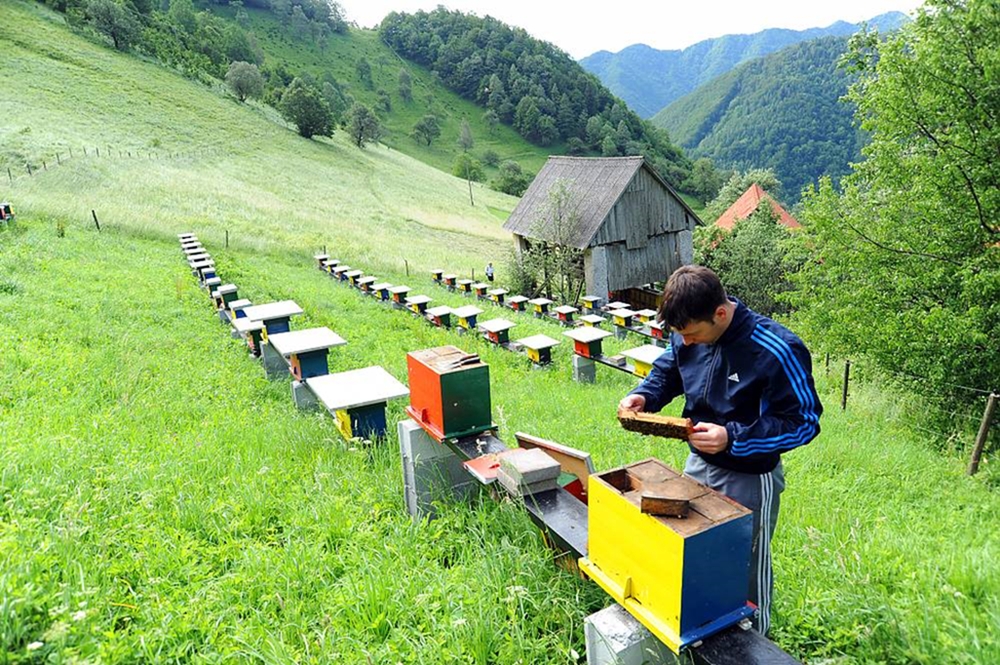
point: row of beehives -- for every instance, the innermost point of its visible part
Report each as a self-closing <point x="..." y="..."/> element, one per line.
<point x="654" y="566"/>
<point x="302" y="354"/>
<point x="586" y="334"/>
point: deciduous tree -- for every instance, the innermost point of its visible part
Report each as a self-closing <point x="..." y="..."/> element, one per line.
<point x="245" y="80"/>
<point x="304" y="106"/>
<point x="363" y="125"/>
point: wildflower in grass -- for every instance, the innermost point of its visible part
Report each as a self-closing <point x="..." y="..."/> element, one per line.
<point x="80" y="615"/>
<point x="35" y="646"/>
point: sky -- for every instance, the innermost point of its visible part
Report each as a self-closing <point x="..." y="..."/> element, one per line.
<point x="584" y="27"/>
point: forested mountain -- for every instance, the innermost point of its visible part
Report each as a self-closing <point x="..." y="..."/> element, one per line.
<point x="649" y="79"/>
<point x="782" y="111"/>
<point x="529" y="84"/>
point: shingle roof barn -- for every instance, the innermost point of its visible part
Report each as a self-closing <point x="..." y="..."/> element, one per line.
<point x="748" y="202"/>
<point x="633" y="227"/>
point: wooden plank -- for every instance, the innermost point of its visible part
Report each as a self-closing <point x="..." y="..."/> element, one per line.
<point x="667" y="506"/>
<point x="571" y="460"/>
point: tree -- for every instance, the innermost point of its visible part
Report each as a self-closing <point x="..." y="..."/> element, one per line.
<point x="364" y="71"/>
<point x="181" y="14"/>
<point x="755" y="259"/>
<point x="511" y="180"/>
<point x="427" y="129"/>
<point x="245" y="80"/>
<point x="492" y="121"/>
<point x="363" y="125"/>
<point x="114" y="20"/>
<point x="704" y="181"/>
<point x="383" y="101"/>
<point x="466" y="166"/>
<point x="405" y="86"/>
<point x="465" y="140"/>
<point x="551" y="263"/>
<point x="734" y="188"/>
<point x="907" y="265"/>
<point x="304" y="106"/>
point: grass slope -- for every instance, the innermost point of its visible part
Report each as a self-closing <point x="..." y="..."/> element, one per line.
<point x="340" y="57"/>
<point x="161" y="501"/>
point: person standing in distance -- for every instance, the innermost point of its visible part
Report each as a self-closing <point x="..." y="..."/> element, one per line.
<point x="748" y="387"/>
<point x="489" y="271"/>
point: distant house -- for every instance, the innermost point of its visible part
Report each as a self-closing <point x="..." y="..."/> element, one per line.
<point x="748" y="202"/>
<point x="632" y="227"/>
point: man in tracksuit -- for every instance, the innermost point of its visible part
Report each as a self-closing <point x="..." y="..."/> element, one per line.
<point x="748" y="387"/>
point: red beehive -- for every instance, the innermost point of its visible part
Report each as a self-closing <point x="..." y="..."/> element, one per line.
<point x="449" y="392"/>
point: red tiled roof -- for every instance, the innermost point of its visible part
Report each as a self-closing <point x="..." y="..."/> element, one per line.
<point x="747" y="203"/>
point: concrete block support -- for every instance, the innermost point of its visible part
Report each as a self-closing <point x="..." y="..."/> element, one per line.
<point x="584" y="370"/>
<point x="431" y="472"/>
<point x="615" y="637"/>
<point x="275" y="366"/>
<point x="620" y="333"/>
<point x="303" y="397"/>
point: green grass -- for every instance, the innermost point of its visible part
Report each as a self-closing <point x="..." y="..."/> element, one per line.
<point x="429" y="95"/>
<point x="162" y="501"/>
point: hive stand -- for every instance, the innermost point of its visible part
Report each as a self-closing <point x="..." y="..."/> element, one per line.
<point x="398" y="296"/>
<point x="439" y="316"/>
<point x="357" y="399"/>
<point x="538" y="349"/>
<point x="540" y="306"/>
<point x="497" y="331"/>
<point x="643" y="358"/>
<point x="497" y="295"/>
<point x="517" y="303"/>
<point x="564" y="314"/>
<point x="301" y="352"/>
<point x="381" y="291"/>
<point x="418" y="304"/>
<point x="615" y="636"/>
<point x="587" y="342"/>
<point x="465" y="317"/>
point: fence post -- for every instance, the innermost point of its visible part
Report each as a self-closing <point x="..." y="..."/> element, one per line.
<point x="847" y="380"/>
<point x="827" y="362"/>
<point x="29" y="168"/>
<point x="98" y="151"/>
<point x="407" y="264"/>
<point x="984" y="432"/>
<point x="97" y="223"/>
<point x="44" y="165"/>
<point x="227" y="238"/>
<point x="58" y="161"/>
<point x="71" y="152"/>
<point x="10" y="176"/>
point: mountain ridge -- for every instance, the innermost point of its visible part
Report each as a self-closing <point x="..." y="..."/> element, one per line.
<point x="650" y="79"/>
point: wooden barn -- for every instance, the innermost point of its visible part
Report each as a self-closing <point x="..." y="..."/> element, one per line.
<point x="632" y="227"/>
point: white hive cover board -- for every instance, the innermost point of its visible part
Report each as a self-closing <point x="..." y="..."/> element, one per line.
<point x="304" y="341"/>
<point x="273" y="310"/>
<point x="358" y="387"/>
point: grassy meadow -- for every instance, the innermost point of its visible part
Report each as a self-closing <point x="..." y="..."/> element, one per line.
<point x="163" y="502"/>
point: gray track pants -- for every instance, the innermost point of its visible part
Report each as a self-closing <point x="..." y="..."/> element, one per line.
<point x="762" y="495"/>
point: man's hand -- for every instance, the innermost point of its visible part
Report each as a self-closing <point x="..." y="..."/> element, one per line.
<point x="709" y="438"/>
<point x="632" y="403"/>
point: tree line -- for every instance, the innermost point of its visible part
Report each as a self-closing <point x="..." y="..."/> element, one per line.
<point x="531" y="86"/>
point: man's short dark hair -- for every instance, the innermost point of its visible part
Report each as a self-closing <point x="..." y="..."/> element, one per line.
<point x="692" y="294"/>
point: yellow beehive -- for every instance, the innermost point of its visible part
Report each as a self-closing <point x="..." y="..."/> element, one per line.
<point x="683" y="578"/>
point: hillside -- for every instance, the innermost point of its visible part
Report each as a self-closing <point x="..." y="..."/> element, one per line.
<point x="338" y="55"/>
<point x="782" y="111"/>
<point x="650" y="79"/>
<point x="163" y="502"/>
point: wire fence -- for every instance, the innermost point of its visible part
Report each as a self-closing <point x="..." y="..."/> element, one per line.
<point x="53" y="158"/>
<point x="953" y="424"/>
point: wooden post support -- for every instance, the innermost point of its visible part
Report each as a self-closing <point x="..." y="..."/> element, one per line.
<point x="71" y="152"/>
<point x="58" y="161"/>
<point x="11" y="177"/>
<point x="44" y="165"/>
<point x="227" y="238"/>
<point x="847" y="380"/>
<point x="407" y="264"/>
<point x="29" y="168"/>
<point x="828" y="362"/>
<point x="96" y="223"/>
<point x="984" y="432"/>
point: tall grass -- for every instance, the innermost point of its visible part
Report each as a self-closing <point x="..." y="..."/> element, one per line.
<point x="162" y="501"/>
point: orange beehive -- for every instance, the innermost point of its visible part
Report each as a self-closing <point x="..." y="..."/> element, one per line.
<point x="449" y="392"/>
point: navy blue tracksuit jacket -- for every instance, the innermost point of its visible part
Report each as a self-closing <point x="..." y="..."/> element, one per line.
<point x="756" y="380"/>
